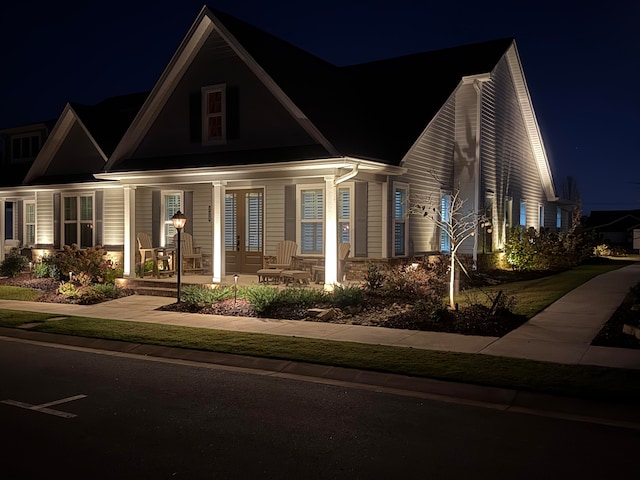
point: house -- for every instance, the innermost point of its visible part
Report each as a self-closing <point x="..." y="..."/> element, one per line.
<point x="615" y="227"/>
<point x="257" y="141"/>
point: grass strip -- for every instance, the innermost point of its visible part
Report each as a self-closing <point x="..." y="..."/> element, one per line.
<point x="571" y="380"/>
<point x="8" y="292"/>
<point x="532" y="296"/>
<point x="15" y="318"/>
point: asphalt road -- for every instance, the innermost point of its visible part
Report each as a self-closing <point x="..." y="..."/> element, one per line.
<point x="122" y="418"/>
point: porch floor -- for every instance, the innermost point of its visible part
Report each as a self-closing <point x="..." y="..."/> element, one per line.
<point x="244" y="280"/>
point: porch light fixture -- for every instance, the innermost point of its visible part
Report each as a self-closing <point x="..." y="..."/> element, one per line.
<point x="179" y="220"/>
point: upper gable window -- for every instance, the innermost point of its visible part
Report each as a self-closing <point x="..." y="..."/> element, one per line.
<point x="214" y="128"/>
<point x="25" y="147"/>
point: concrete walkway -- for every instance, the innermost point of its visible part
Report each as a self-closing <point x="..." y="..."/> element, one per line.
<point x="561" y="333"/>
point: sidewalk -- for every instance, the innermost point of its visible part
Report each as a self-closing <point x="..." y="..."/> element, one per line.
<point x="561" y="333"/>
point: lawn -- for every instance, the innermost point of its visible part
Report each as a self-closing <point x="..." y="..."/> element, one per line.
<point x="18" y="293"/>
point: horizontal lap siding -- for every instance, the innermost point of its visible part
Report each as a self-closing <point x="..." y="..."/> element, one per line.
<point x="113" y="217"/>
<point x="44" y="216"/>
<point x="374" y="220"/>
<point x="143" y="211"/>
<point x="508" y="164"/>
<point x="202" y="227"/>
<point x="432" y="156"/>
<point x="273" y="217"/>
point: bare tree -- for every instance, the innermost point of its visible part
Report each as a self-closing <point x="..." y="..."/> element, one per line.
<point x="455" y="222"/>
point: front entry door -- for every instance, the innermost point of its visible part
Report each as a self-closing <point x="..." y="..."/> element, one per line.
<point x="243" y="217"/>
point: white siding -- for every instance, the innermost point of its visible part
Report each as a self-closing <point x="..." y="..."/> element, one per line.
<point x="430" y="159"/>
<point x="44" y="218"/>
<point x="113" y="217"/>
<point x="202" y="227"/>
<point x="509" y="167"/>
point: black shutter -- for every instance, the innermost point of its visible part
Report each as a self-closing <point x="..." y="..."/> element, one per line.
<point x="233" y="113"/>
<point x="99" y="206"/>
<point x="290" y="212"/>
<point x="56" y="220"/>
<point x="156" y="218"/>
<point x="195" y="118"/>
<point x="360" y="233"/>
<point x="20" y="220"/>
<point x="188" y="211"/>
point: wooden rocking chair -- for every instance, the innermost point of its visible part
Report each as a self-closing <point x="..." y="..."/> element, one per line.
<point x="156" y="255"/>
<point x="190" y="254"/>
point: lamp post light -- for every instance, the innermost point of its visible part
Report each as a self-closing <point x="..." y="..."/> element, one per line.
<point x="179" y="221"/>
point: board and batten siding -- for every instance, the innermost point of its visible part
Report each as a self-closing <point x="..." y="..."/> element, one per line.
<point x="430" y="164"/>
<point x="113" y="217"/>
<point x="509" y="167"/>
<point x="44" y="218"/>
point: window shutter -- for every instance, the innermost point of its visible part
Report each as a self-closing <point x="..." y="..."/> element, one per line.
<point x="56" y="220"/>
<point x="188" y="211"/>
<point x="99" y="206"/>
<point x="233" y="113"/>
<point x="360" y="234"/>
<point x="290" y="212"/>
<point x="20" y="220"/>
<point x="156" y="221"/>
<point x="195" y="118"/>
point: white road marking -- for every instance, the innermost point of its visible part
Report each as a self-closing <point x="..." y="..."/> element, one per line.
<point x="43" y="407"/>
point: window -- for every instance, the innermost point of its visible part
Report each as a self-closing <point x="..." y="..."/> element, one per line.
<point x="78" y="220"/>
<point x="523" y="213"/>
<point x="344" y="214"/>
<point x="25" y="147"/>
<point x="213" y="115"/>
<point x="445" y="214"/>
<point x="400" y="223"/>
<point x="29" y="223"/>
<point x="311" y="220"/>
<point x="171" y="203"/>
<point x="558" y="218"/>
<point x="541" y="216"/>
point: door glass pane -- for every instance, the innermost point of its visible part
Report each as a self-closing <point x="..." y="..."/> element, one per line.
<point x="230" y="221"/>
<point x="253" y="220"/>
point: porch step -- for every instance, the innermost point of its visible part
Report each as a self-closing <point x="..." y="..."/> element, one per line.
<point x="151" y="287"/>
<point x="156" y="291"/>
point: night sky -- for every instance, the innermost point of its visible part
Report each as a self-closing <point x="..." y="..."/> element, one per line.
<point x="581" y="60"/>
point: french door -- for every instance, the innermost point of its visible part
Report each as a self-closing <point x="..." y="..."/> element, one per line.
<point x="243" y="230"/>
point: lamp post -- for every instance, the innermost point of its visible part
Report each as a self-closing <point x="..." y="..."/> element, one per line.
<point x="179" y="221"/>
<point x="235" y="291"/>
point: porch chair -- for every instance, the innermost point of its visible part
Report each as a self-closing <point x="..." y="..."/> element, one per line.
<point x="189" y="253"/>
<point x="273" y="267"/>
<point x="156" y="255"/>
<point x="343" y="254"/>
<point x="10" y="246"/>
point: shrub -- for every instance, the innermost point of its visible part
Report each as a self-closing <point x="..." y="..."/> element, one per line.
<point x="98" y="292"/>
<point x="201" y="296"/>
<point x="350" y="296"/>
<point x="69" y="290"/>
<point x="13" y="264"/>
<point x="602" y="250"/>
<point x="148" y="267"/>
<point x="261" y="297"/>
<point x="41" y="270"/>
<point x="90" y="262"/>
<point x="373" y="277"/>
<point x="416" y="281"/>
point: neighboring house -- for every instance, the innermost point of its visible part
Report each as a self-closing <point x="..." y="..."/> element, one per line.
<point x="257" y="141"/>
<point x="615" y="227"/>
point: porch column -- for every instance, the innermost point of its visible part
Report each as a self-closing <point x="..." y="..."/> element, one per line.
<point x="331" y="234"/>
<point x="129" y="259"/>
<point x="2" y="220"/>
<point x="217" y="234"/>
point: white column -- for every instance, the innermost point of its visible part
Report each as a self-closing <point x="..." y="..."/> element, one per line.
<point x="130" y="244"/>
<point x="217" y="217"/>
<point x="2" y="220"/>
<point x="331" y="233"/>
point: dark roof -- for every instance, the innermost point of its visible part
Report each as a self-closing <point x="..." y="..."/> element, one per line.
<point x="108" y="120"/>
<point x="614" y="220"/>
<point x="374" y="110"/>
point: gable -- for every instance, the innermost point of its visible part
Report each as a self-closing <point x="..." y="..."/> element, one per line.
<point x="77" y="154"/>
<point x="254" y="118"/>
